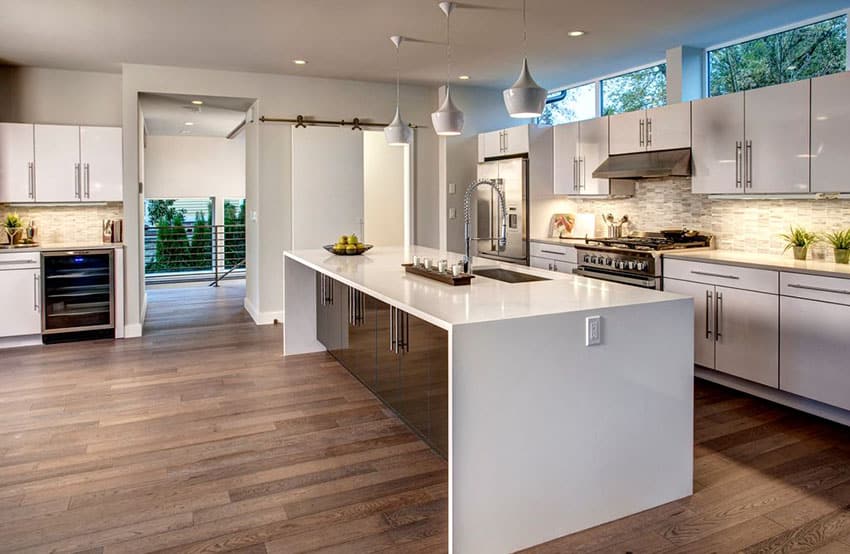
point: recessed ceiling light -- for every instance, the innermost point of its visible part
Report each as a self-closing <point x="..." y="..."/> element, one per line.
<point x="575" y="33"/>
<point x="198" y="102"/>
<point x="299" y="62"/>
<point x="463" y="77"/>
<point x="188" y="124"/>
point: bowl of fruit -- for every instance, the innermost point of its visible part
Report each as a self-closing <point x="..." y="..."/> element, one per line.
<point x="348" y="245"/>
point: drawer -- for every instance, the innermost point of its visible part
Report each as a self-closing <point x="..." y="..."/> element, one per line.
<point x="815" y="287"/>
<point x="736" y="277"/>
<point x="8" y="260"/>
<point x="559" y="252"/>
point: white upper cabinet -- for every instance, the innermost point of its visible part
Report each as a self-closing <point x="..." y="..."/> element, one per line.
<point x="57" y="163"/>
<point x="512" y="141"/>
<point x="566" y="152"/>
<point x="830" y="133"/>
<point x="593" y="150"/>
<point x="668" y="127"/>
<point x="628" y="132"/>
<point x="718" y="143"/>
<point x="100" y="156"/>
<point x="777" y="139"/>
<point x="16" y="162"/>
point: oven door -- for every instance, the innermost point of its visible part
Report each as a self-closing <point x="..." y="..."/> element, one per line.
<point x="643" y="281"/>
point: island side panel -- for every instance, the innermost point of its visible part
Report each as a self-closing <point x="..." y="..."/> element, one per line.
<point x="550" y="436"/>
<point x="299" y="309"/>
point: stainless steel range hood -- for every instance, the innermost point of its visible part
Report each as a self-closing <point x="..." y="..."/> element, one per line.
<point x="646" y="165"/>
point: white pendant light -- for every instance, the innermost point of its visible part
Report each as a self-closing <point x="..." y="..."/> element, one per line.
<point x="397" y="133"/>
<point x="525" y="98"/>
<point x="448" y="119"/>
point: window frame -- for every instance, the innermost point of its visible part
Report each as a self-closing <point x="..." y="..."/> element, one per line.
<point x="600" y="88"/>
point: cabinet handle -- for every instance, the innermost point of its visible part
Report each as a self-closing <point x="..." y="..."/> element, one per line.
<point x="555" y="266"/>
<point x="87" y="181"/>
<point x="819" y="289"/>
<point x="35" y="295"/>
<point x="739" y="152"/>
<point x="17" y="262"/>
<point x="640" y="132"/>
<point x="392" y="329"/>
<point x="582" y="175"/>
<point x="350" y="304"/>
<point x="707" y="314"/>
<point x="749" y="165"/>
<point x="31" y="175"/>
<point x="707" y="274"/>
<point x="552" y="252"/>
<point x="550" y="267"/>
<point x="576" y="185"/>
<point x="718" y="317"/>
<point x="649" y="132"/>
<point x="77" y="193"/>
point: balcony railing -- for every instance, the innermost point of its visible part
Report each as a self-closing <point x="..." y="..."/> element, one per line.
<point x="194" y="252"/>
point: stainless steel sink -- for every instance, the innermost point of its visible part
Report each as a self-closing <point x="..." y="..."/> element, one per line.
<point x="507" y="276"/>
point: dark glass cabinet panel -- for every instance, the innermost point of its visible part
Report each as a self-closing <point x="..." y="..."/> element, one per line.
<point x="415" y="352"/>
<point x="439" y="389"/>
<point x="360" y="356"/>
<point x="77" y="291"/>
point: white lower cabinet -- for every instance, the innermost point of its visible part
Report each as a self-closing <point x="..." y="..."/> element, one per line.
<point x="703" y="296"/>
<point x="20" y="304"/>
<point x="553" y="257"/>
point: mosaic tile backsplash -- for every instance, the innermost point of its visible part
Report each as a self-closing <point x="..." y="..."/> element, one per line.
<point x="741" y="225"/>
<point x="67" y="224"/>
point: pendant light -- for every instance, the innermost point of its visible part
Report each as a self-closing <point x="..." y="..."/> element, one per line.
<point x="448" y="119"/>
<point x="397" y="133"/>
<point x="525" y="98"/>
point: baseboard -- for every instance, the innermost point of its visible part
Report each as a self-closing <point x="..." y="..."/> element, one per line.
<point x="261" y="318"/>
<point x="775" y="395"/>
<point x="144" y="310"/>
<point x="132" y="330"/>
<point x="24" y="340"/>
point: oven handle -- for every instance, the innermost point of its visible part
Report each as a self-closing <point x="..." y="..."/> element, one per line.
<point x="648" y="283"/>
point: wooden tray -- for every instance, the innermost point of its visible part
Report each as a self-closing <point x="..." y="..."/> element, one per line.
<point x="462" y="279"/>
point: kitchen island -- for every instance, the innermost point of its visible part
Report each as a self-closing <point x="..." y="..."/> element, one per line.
<point x="544" y="435"/>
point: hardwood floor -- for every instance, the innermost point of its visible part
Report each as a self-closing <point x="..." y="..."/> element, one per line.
<point x="200" y="437"/>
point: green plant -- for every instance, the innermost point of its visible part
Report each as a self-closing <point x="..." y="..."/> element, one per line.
<point x="840" y="240"/>
<point x="799" y="238"/>
<point x="13" y="221"/>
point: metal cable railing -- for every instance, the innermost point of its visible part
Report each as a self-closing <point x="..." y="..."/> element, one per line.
<point x="194" y="252"/>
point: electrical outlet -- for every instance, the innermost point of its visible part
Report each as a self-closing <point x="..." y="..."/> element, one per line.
<point x="452" y="213"/>
<point x="451" y="188"/>
<point x="593" y="331"/>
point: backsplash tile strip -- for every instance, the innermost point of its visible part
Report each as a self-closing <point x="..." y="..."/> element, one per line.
<point x="67" y="224"/>
<point x="740" y="225"/>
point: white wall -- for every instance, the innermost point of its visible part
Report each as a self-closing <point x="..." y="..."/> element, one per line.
<point x="383" y="191"/>
<point x="38" y="95"/>
<point x="195" y="167"/>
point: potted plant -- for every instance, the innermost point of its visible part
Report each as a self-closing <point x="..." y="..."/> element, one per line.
<point x="14" y="228"/>
<point x="799" y="239"/>
<point x="840" y="241"/>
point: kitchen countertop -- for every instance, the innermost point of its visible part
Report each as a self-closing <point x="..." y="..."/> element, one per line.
<point x="764" y="261"/>
<point x="64" y="246"/>
<point x="379" y="274"/>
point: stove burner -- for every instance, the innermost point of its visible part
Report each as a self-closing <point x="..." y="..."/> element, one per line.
<point x="651" y="241"/>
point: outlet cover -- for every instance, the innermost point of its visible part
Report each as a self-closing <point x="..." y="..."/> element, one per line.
<point x="451" y="188"/>
<point x="593" y="331"/>
<point x="452" y="213"/>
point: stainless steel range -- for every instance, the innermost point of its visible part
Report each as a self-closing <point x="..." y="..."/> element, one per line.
<point x="634" y="259"/>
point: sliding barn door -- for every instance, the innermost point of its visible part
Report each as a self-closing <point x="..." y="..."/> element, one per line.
<point x="327" y="185"/>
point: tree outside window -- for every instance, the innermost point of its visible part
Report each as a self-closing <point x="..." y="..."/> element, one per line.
<point x="801" y="53"/>
<point x="638" y="90"/>
<point x="572" y="104"/>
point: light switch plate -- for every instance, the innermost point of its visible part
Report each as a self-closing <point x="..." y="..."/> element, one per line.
<point x="452" y="213"/>
<point x="451" y="188"/>
<point x="593" y="331"/>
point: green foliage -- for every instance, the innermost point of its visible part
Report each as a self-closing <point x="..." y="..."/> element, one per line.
<point x="200" y="249"/>
<point x="577" y="103"/>
<point x="799" y="237"/>
<point x="13" y="221"/>
<point x="163" y="210"/>
<point x="638" y="90"/>
<point x="840" y="240"/>
<point x="802" y="53"/>
<point x="234" y="233"/>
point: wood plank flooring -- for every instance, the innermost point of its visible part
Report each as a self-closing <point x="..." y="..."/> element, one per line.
<point x="201" y="437"/>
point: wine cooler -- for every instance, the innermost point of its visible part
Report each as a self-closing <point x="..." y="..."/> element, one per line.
<point x="79" y="295"/>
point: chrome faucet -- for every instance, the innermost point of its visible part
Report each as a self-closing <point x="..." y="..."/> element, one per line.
<point x="467" y="216"/>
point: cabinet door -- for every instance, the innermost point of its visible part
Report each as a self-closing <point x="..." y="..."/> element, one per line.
<point x="363" y="337"/>
<point x="57" y="163"/>
<point x="516" y="140"/>
<point x="493" y="143"/>
<point x="541" y="263"/>
<point x="338" y="328"/>
<point x="564" y="267"/>
<point x="415" y="359"/>
<point x="627" y="132"/>
<point x="830" y="133"/>
<point x="747" y="332"/>
<point x="669" y="127"/>
<point x="566" y="140"/>
<point x="813" y="351"/>
<point x="16" y="162"/>
<point x="777" y="130"/>
<point x="439" y="389"/>
<point x="593" y="150"/>
<point x="21" y="304"/>
<point x="481" y="147"/>
<point x="718" y="143"/>
<point x="387" y="373"/>
<point x="703" y="296"/>
<point x="101" y="155"/>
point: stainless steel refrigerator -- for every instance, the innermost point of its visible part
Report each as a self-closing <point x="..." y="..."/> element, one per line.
<point x="511" y="175"/>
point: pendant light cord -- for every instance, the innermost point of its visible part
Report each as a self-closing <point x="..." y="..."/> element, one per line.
<point x="448" y="50"/>
<point x="397" y="76"/>
<point x="524" y="32"/>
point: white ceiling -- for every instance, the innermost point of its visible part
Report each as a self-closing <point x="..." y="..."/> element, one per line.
<point x="349" y="38"/>
<point x="167" y="114"/>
